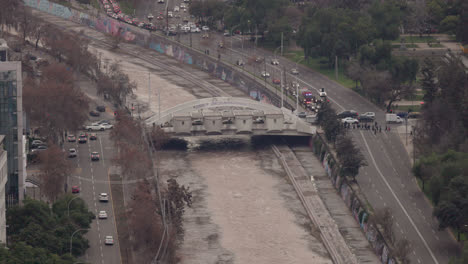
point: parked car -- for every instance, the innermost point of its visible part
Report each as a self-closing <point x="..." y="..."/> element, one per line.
<point x="94" y="113"/>
<point x="37" y="143"/>
<point x="39" y="148"/>
<point x="205" y="28"/>
<point x="109" y="239"/>
<point x="369" y="114"/>
<point x="348" y="113"/>
<point x="102" y="215"/>
<point x="364" y="118"/>
<point x="101" y="108"/>
<point x="240" y="62"/>
<point x="349" y="120"/>
<point x="302" y="114"/>
<point x="94" y="156"/>
<point x="75" y="189"/>
<point x="72" y="153"/>
<point x="71" y="138"/>
<point x="294" y="71"/>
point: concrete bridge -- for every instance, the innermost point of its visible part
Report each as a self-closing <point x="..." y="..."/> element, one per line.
<point x="230" y="116"/>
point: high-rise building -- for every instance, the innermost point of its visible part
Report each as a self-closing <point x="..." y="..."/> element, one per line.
<point x="11" y="126"/>
<point x="3" y="181"/>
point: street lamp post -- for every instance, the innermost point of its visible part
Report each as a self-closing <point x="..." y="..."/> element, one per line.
<point x="71" y="238"/>
<point x="68" y="205"/>
<point x="297" y="87"/>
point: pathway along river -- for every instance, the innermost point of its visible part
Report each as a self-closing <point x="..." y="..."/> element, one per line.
<point x="244" y="209"/>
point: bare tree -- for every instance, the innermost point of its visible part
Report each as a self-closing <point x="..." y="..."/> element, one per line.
<point x="54" y="103"/>
<point x="159" y="137"/>
<point x="146" y="223"/>
<point x="25" y="22"/>
<point x="9" y="13"/>
<point x="384" y="218"/>
<point x="53" y="171"/>
<point x="116" y="84"/>
<point x="38" y="31"/>
<point x="402" y="251"/>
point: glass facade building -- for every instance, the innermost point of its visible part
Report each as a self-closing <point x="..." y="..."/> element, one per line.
<point x="11" y="126"/>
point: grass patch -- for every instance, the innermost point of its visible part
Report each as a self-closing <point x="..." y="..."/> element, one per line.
<point x="315" y="64"/>
<point x="415" y="39"/>
<point x="127" y="7"/>
<point x="408" y="46"/>
<point x="405" y="108"/>
<point x="95" y="4"/>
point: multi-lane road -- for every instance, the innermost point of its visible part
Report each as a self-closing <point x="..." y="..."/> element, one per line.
<point x="92" y="177"/>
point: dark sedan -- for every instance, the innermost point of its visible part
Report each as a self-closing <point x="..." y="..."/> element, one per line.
<point x="348" y="113"/>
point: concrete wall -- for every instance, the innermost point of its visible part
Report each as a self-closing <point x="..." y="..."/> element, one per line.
<point x="352" y="201"/>
<point x="105" y="24"/>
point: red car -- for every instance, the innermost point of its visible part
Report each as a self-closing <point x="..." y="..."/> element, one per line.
<point x="276" y="81"/>
<point x="75" y="189"/>
<point x="92" y="136"/>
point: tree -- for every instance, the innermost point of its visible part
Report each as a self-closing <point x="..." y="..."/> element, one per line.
<point x="23" y="253"/>
<point x="429" y="85"/>
<point x="35" y="224"/>
<point x="25" y="22"/>
<point x="350" y="157"/>
<point x="158" y="137"/>
<point x="9" y="13"/>
<point x="55" y="104"/>
<point x="178" y="196"/>
<point x="54" y="169"/>
<point x="463" y="258"/>
<point x="402" y="251"/>
<point x="387" y="18"/>
<point x="38" y="31"/>
<point x="116" y="84"/>
<point x="384" y="218"/>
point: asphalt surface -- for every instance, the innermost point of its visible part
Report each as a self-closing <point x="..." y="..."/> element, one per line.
<point x="92" y="178"/>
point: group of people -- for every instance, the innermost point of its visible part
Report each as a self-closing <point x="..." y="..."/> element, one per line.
<point x="374" y="127"/>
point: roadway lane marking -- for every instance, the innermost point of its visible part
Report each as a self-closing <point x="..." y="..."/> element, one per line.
<point x="113" y="213"/>
<point x="398" y="200"/>
<point x="102" y="152"/>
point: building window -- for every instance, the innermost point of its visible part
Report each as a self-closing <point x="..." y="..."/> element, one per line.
<point x="244" y="121"/>
<point x="213" y="122"/>
<point x="183" y="122"/>
<point x="274" y="120"/>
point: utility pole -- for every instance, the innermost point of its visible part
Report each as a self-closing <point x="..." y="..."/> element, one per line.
<point x="281" y="43"/>
<point x="336" y="67"/>
<point x="149" y="90"/>
<point x="281" y="84"/>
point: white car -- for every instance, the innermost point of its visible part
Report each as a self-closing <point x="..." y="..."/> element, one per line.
<point x="170" y="14"/>
<point x="109" y="240"/>
<point x="274" y="62"/>
<point x="322" y="92"/>
<point x="103" y="197"/>
<point x="349" y="120"/>
<point x="161" y="1"/>
<point x="72" y="153"/>
<point x="369" y="114"/>
<point x="185" y="29"/>
<point x="182" y="5"/>
<point x="265" y="74"/>
<point x="294" y="71"/>
<point x="205" y="28"/>
<point x="195" y="30"/>
<point x="176" y="9"/>
<point x="102" y="215"/>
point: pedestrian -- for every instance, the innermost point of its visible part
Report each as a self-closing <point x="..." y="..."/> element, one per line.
<point x="375" y="131"/>
<point x="353" y="126"/>
<point x="375" y="123"/>
<point x="380" y="129"/>
<point x="386" y="128"/>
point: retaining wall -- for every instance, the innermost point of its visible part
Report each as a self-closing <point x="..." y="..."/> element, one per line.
<point x="158" y="43"/>
<point x="373" y="235"/>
